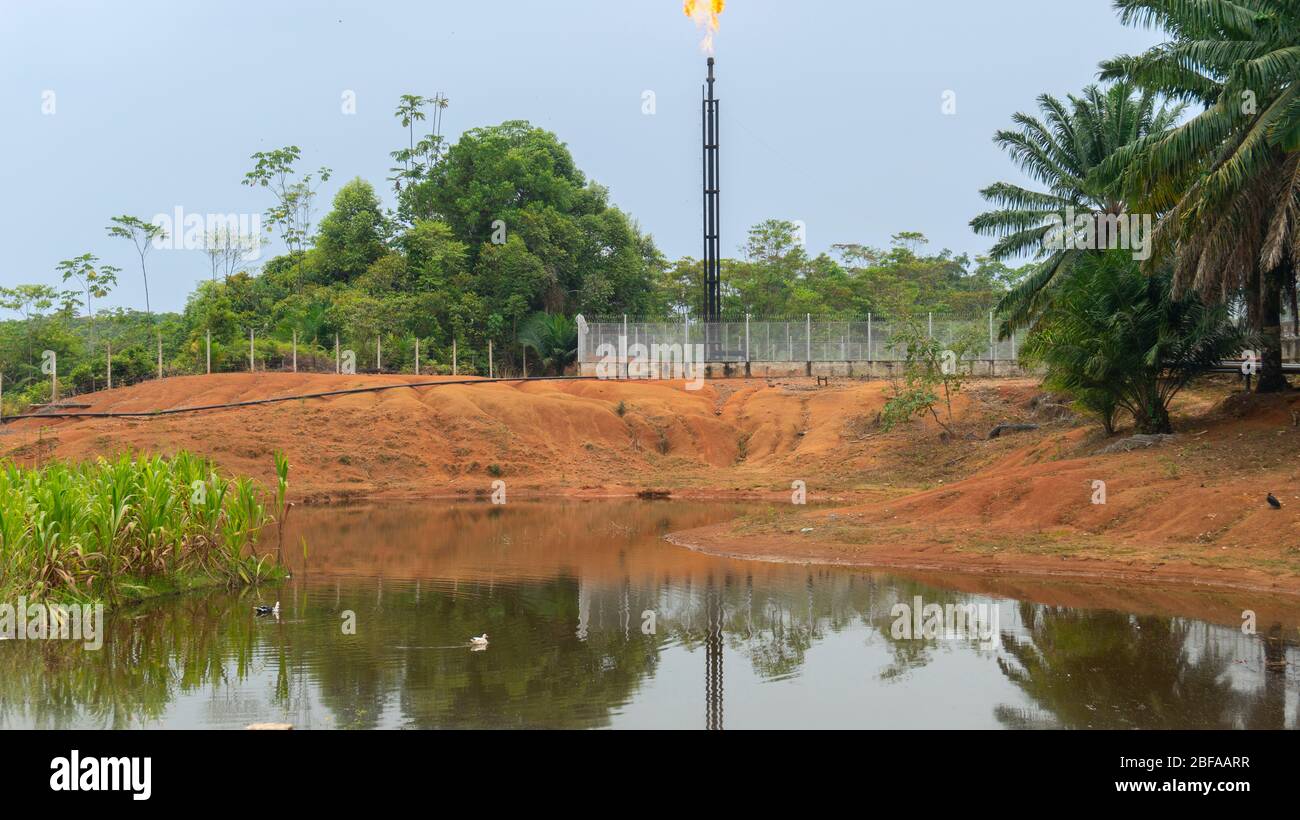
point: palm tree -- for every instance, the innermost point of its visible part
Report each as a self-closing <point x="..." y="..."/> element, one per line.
<point x="554" y="337"/>
<point x="1062" y="151"/>
<point x="1229" y="178"/>
<point x="1115" y="339"/>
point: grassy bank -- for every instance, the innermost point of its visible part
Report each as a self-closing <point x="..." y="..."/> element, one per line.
<point x="130" y="528"/>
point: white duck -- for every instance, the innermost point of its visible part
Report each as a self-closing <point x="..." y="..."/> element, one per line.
<point x="480" y="641"/>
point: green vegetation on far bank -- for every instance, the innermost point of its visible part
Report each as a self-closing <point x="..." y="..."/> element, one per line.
<point x="128" y="529"/>
<point x="1185" y="157"/>
<point x="497" y="242"/>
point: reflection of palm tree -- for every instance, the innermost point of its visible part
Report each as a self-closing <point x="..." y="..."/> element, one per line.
<point x="1268" y="711"/>
<point x="1099" y="669"/>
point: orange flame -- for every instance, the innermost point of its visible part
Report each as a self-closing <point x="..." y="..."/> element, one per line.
<point x="705" y="14"/>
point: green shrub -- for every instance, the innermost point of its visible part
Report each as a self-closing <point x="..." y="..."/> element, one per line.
<point x="1116" y="339"/>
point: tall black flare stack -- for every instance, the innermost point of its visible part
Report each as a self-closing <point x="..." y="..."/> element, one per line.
<point x="712" y="210"/>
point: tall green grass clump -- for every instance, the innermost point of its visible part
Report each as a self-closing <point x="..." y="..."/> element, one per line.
<point x="127" y="528"/>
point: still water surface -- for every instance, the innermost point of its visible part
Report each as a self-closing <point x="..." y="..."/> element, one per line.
<point x="567" y="592"/>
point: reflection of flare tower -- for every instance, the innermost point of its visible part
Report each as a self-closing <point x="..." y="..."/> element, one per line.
<point x="713" y="658"/>
<point x="712" y="211"/>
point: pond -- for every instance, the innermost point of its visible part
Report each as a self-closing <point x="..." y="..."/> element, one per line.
<point x="594" y="621"/>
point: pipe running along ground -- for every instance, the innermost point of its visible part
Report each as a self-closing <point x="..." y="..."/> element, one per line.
<point x="136" y="414"/>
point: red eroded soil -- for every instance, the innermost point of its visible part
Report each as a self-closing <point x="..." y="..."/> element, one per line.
<point x="572" y="437"/>
<point x="1190" y="510"/>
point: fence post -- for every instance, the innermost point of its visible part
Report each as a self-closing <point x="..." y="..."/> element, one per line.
<point x="746" y="338"/>
<point x="379" y="354"/>
<point x="490" y="375"/>
<point x="685" y="343"/>
<point x="686" y="333"/>
<point x="54" y="376"/>
<point x="931" y="332"/>
<point x="110" y="365"/>
<point x="417" y="355"/>
<point x="993" y="350"/>
<point x="209" y="348"/>
<point x="807" y="337"/>
<point x="524" y="351"/>
<point x="623" y="347"/>
<point x="2" y="394"/>
<point x="455" y="368"/>
<point x="295" y="351"/>
<point x="252" y="363"/>
<point x="160" y="354"/>
<point x="338" y="362"/>
<point x="871" y="353"/>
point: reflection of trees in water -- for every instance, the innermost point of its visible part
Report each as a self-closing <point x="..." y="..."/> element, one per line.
<point x="353" y="675"/>
<point x="570" y="653"/>
<point x="773" y="626"/>
<point x="536" y="672"/>
<point x="563" y="653"/>
<point x="1079" y="667"/>
<point x="1101" y="669"/>
<point x="406" y="665"/>
<point x="148" y="656"/>
<point x="917" y="651"/>
<point x="776" y="626"/>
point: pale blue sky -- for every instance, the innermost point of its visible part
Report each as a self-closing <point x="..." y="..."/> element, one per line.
<point x="831" y="108"/>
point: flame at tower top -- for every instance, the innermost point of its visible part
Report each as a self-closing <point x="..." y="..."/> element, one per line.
<point x="705" y="14"/>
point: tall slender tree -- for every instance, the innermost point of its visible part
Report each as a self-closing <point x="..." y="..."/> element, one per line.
<point x="410" y="110"/>
<point x="142" y="235"/>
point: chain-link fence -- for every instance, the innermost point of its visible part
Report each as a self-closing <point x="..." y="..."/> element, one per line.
<point x="40" y="376"/>
<point x="803" y="339"/>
